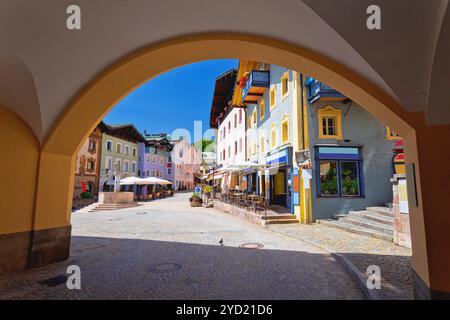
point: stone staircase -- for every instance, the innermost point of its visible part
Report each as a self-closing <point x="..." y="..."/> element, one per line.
<point x="87" y="209"/>
<point x="376" y="222"/>
<point x="280" y="219"/>
<point x="114" y="206"/>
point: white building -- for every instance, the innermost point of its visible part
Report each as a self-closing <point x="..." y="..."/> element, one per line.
<point x="231" y="143"/>
<point x="230" y="122"/>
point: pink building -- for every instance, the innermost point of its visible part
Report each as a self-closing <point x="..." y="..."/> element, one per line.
<point x="186" y="162"/>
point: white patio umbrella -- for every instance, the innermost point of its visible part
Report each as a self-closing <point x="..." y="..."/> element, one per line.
<point x="154" y="180"/>
<point x="164" y="182"/>
<point x="131" y="181"/>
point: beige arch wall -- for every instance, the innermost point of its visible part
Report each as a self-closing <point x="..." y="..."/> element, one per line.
<point x="54" y="189"/>
<point x="19" y="166"/>
<point x="19" y="163"/>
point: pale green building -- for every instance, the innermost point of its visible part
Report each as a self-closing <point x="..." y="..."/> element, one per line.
<point x="120" y="149"/>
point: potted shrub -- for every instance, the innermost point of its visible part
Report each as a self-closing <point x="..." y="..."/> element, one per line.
<point x="195" y="200"/>
<point x="86" y="195"/>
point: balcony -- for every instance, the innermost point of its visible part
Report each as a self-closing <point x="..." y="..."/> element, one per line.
<point x="319" y="91"/>
<point x="255" y="86"/>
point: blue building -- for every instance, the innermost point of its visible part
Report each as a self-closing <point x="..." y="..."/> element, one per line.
<point x="269" y="135"/>
<point x="351" y="153"/>
<point x="310" y="150"/>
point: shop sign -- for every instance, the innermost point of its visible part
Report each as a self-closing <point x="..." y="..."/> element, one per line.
<point x="296" y="187"/>
<point x="278" y="158"/>
<point x="303" y="158"/>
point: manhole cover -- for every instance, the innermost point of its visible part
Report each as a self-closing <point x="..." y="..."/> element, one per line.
<point x="141" y="213"/>
<point x="251" y="245"/>
<point x="164" y="267"/>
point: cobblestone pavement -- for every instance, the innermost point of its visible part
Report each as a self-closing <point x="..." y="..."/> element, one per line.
<point x="167" y="250"/>
<point x="362" y="251"/>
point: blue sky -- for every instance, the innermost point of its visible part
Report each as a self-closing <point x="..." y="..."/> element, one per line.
<point x="172" y="100"/>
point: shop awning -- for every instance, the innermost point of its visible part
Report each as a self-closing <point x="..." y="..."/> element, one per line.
<point x="243" y="166"/>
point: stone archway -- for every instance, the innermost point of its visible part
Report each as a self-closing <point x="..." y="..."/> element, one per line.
<point x="55" y="183"/>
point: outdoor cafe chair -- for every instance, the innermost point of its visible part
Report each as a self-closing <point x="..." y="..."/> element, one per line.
<point x="260" y="204"/>
<point x="244" y="201"/>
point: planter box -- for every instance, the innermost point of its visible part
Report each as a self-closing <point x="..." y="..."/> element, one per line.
<point x="195" y="202"/>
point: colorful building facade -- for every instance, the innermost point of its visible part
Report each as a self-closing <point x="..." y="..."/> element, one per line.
<point x="120" y="153"/>
<point x="309" y="148"/>
<point x="351" y="154"/>
<point x="230" y="122"/>
<point x="155" y="157"/>
<point x="87" y="168"/>
<point x="269" y="137"/>
<point x="187" y="162"/>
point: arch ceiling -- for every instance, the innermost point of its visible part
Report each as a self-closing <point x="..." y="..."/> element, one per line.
<point x="407" y="59"/>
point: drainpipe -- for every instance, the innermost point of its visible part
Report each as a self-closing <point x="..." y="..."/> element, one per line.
<point x="302" y="113"/>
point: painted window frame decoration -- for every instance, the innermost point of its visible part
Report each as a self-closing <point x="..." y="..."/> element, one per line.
<point x="285" y="121"/>
<point x="254" y="118"/>
<point x="273" y="136"/>
<point x="272" y="97"/>
<point x="90" y="165"/>
<point x="340" y="155"/>
<point x="262" y="144"/>
<point x="391" y="134"/>
<point x="262" y="109"/>
<point x="330" y="112"/>
<point x="118" y="148"/>
<point x="284" y="78"/>
<point x="92" y="145"/>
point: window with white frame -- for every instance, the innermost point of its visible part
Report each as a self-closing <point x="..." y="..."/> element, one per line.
<point x="108" y="163"/>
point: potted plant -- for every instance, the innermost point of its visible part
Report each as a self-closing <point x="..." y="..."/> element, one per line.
<point x="195" y="200"/>
<point x="86" y="195"/>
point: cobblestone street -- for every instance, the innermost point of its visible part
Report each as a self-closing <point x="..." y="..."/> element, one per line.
<point x="362" y="251"/>
<point x="167" y="250"/>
